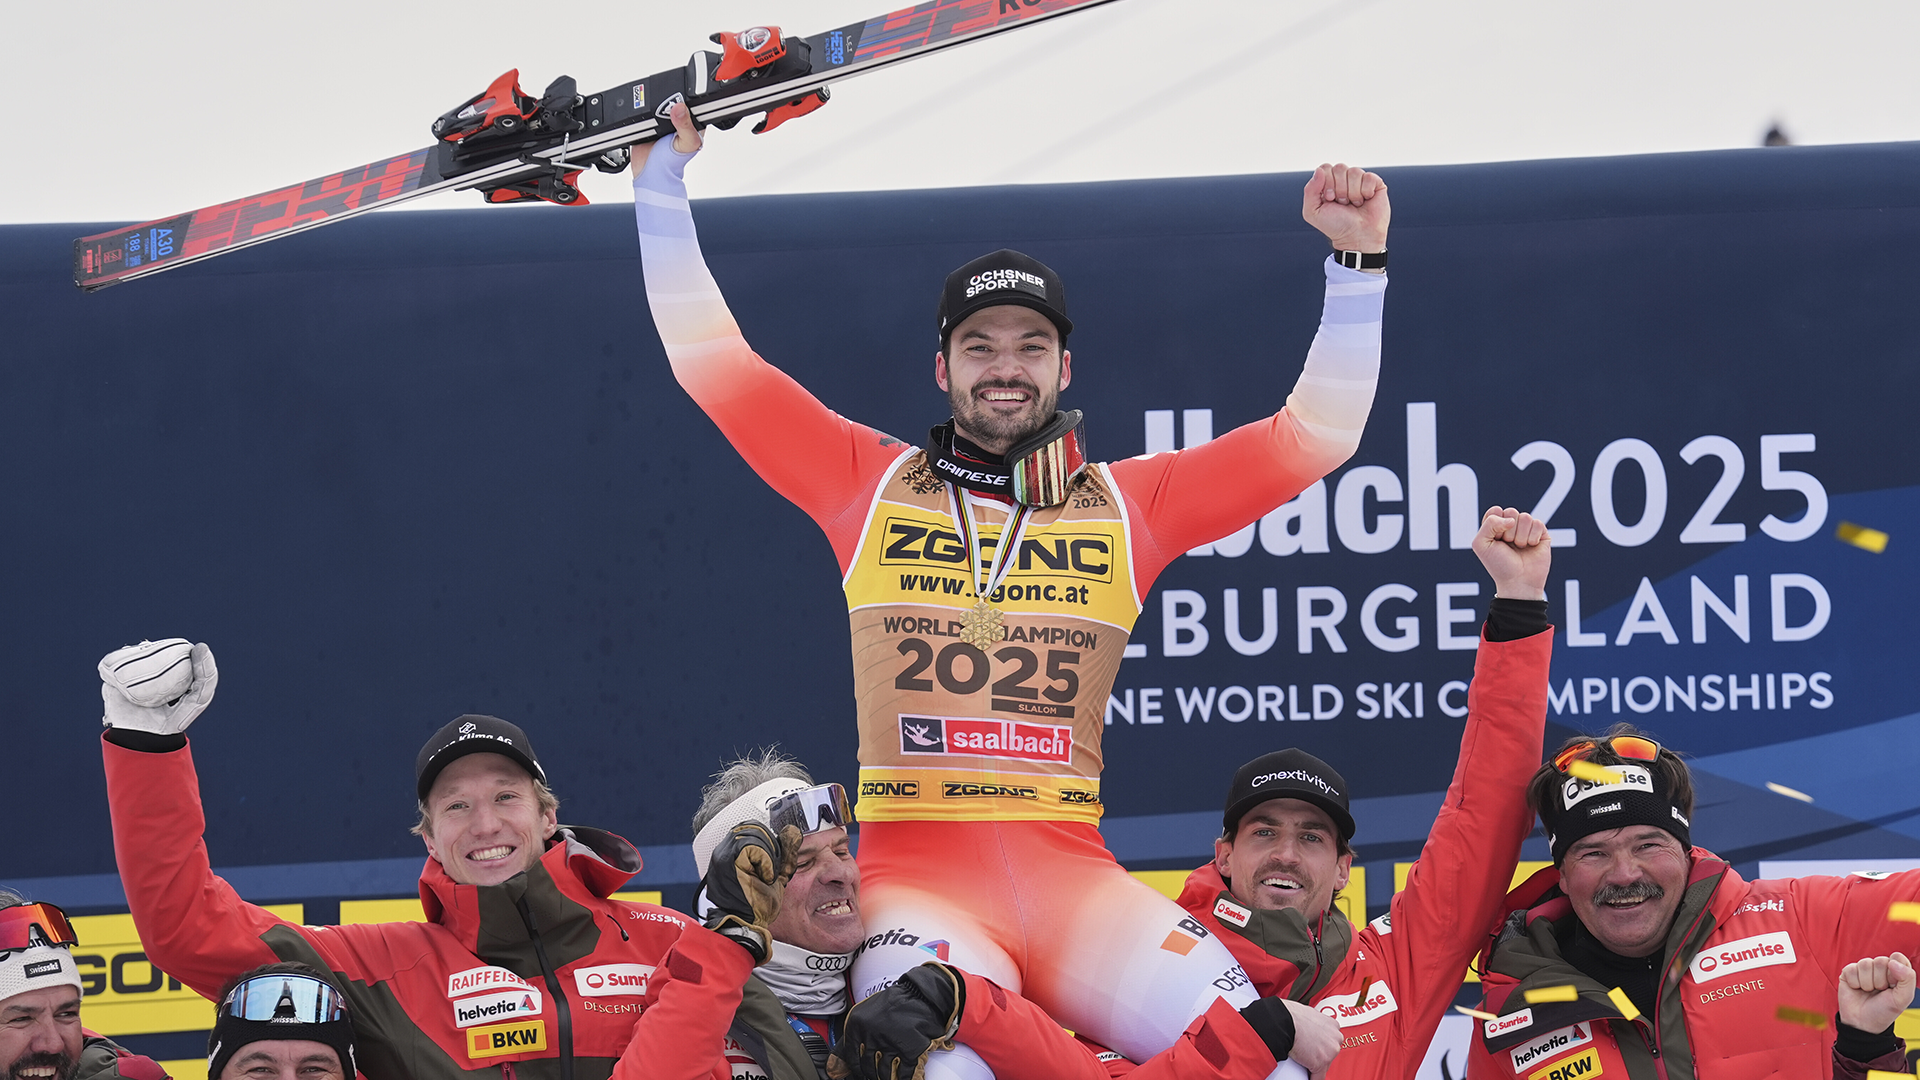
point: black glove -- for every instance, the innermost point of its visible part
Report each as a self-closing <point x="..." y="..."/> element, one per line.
<point x="744" y="882"/>
<point x="889" y="1034"/>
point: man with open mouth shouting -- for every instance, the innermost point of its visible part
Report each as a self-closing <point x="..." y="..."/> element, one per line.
<point x="992" y="578"/>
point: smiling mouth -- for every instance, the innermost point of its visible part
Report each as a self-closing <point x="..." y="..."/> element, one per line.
<point x="835" y="907"/>
<point x="490" y="854"/>
<point x="1283" y="883"/>
<point x="38" y="1071"/>
<point x="1002" y="394"/>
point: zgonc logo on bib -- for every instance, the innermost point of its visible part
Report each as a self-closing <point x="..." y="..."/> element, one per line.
<point x="1733" y="957"/>
<point x="609" y="980"/>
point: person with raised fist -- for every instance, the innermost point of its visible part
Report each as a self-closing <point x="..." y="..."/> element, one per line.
<point x="525" y="963"/>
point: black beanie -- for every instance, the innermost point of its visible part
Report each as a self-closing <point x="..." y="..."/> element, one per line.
<point x="232" y="1033"/>
<point x="1577" y="808"/>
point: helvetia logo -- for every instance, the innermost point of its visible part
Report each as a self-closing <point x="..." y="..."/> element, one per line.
<point x="1745" y="954"/>
<point x="611" y="980"/>
<point x="491" y="1007"/>
<point x="1549" y="1045"/>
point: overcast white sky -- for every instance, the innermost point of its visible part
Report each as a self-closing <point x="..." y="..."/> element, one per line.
<point x="136" y="110"/>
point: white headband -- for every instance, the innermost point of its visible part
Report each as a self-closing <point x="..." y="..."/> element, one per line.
<point x="36" y="968"/>
<point x="749" y="807"/>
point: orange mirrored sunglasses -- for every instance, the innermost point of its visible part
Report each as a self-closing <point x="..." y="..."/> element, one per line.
<point x="19" y="923"/>
<point x="1632" y="747"/>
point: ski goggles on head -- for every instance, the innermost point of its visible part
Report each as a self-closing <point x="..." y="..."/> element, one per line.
<point x="1630" y="747"/>
<point x="285" y="998"/>
<point x="23" y="926"/>
<point x="811" y="810"/>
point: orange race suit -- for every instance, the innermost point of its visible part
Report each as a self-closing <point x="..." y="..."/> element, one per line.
<point x="979" y="781"/>
<point x="504" y="980"/>
<point x="1737" y="952"/>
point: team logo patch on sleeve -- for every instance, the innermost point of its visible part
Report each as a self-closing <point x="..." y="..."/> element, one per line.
<point x="1745" y="954"/>
<point x="1504" y="1024"/>
<point x="500" y="1039"/>
<point x="1551" y="1045"/>
<point x="1582" y="1066"/>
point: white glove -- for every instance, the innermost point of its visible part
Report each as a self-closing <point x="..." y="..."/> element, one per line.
<point x="157" y="686"/>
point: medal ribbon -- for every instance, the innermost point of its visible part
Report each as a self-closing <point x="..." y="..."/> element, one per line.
<point x="1010" y="538"/>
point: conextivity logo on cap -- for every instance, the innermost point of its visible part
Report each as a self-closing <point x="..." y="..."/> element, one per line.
<point x="1301" y="775"/>
<point x="1632" y="778"/>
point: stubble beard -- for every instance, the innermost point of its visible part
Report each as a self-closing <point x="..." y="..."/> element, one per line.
<point x="993" y="431"/>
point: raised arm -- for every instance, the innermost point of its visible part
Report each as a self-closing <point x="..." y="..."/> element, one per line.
<point x="1193" y="496"/>
<point x="1455" y="889"/>
<point x="825" y="464"/>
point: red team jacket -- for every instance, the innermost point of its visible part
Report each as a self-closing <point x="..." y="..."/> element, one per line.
<point x="643" y="991"/>
<point x="1409" y="961"/>
<point x="1738" y="951"/>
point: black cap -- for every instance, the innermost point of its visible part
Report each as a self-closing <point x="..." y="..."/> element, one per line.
<point x="473" y="734"/>
<point x="1004" y="277"/>
<point x="1288" y="774"/>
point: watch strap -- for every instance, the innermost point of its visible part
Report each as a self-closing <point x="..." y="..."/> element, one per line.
<point x="1361" y="260"/>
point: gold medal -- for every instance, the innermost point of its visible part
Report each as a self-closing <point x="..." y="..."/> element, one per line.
<point x="980" y="625"/>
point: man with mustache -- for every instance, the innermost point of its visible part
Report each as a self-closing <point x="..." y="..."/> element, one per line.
<point x="1284" y="854"/>
<point x="992" y="579"/>
<point x="40" y="1033"/>
<point x="792" y="1006"/>
<point x="1647" y="957"/>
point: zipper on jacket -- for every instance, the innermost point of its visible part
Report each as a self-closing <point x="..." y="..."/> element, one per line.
<point x="562" y="1010"/>
<point x="506" y="1070"/>
<point x="1661" y="990"/>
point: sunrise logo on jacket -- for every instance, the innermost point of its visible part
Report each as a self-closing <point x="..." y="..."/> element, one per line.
<point x="610" y="980"/>
<point x="1348" y="1013"/>
<point x="1745" y="954"/>
<point x="1501" y="1025"/>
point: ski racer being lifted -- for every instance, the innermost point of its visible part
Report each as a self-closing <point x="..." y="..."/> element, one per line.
<point x="980" y="703"/>
<point x="1281" y="859"/>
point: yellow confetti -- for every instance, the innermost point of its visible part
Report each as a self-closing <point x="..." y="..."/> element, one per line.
<point x="1782" y="789"/>
<point x="1862" y="537"/>
<point x="1882" y="1074"/>
<point x="1475" y="1013"/>
<point x="1804" y="1017"/>
<point x="1552" y="993"/>
<point x="1904" y="912"/>
<point x="1587" y="770"/>
<point x="1624" y="1003"/>
<point x="1360" y="999"/>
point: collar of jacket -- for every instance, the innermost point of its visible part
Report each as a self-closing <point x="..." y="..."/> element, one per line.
<point x="1526" y="956"/>
<point x="579" y="870"/>
<point x="1276" y="947"/>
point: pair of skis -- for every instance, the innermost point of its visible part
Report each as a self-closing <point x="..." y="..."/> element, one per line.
<point x="512" y="146"/>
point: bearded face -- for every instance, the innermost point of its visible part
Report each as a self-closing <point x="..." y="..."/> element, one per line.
<point x="1004" y="375"/>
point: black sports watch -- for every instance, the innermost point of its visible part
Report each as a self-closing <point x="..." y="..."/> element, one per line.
<point x="1361" y="260"/>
